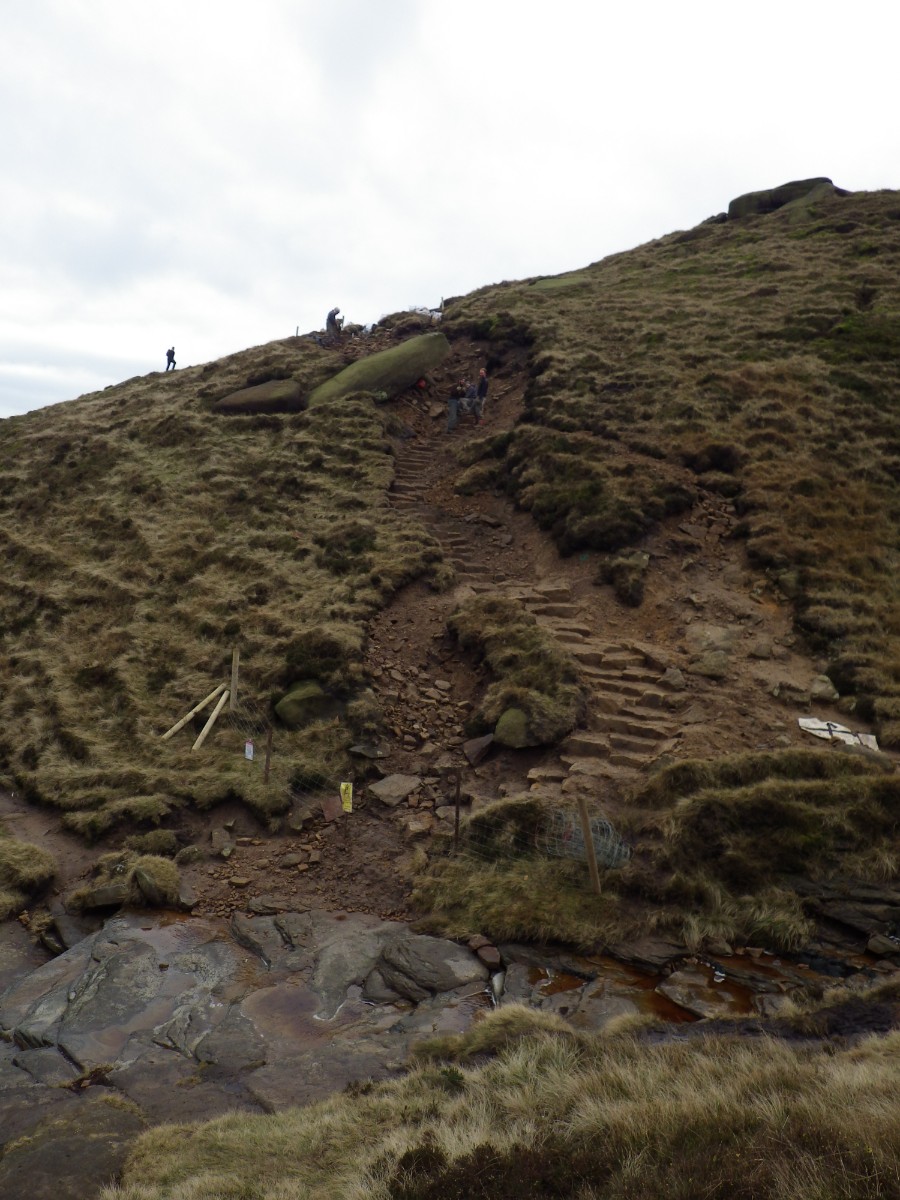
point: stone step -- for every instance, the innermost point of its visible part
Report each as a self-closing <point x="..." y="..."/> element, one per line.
<point x="634" y="745"/>
<point x="555" y="773"/>
<point x="401" y="486"/>
<point x="621" y="660"/>
<point x="621" y="758"/>
<point x="573" y="627"/>
<point x="541" y="609"/>
<point x="616" y="687"/>
<point x="595" y="768"/>
<point x="585" y="744"/>
<point x="603" y="672"/>
<point x="629" y="725"/>
<point x="554" y="591"/>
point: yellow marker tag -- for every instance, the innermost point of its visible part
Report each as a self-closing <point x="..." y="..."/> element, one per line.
<point x="347" y="797"/>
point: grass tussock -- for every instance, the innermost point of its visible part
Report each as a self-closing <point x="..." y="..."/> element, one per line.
<point x="565" y="1115"/>
<point x="532" y="672"/>
<point x="24" y="870"/>
<point x="145" y="879"/>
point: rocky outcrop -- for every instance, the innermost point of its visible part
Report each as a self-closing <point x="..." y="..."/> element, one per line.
<point x="278" y="395"/>
<point x="771" y="199"/>
<point x="387" y="373"/>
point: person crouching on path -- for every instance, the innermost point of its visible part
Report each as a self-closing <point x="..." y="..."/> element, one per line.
<point x="457" y="396"/>
<point x="170" y="358"/>
<point x="481" y="395"/>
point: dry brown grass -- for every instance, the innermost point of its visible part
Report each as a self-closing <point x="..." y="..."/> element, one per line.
<point x="144" y="536"/>
<point x="24" y="870"/>
<point x="545" y="1112"/>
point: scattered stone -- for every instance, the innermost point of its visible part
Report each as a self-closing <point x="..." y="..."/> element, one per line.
<point x="490" y="956"/>
<point x="265" y="906"/>
<point x="239" y="881"/>
<point x="368" y="750"/>
<point x="393" y="789"/>
<point x="443" y="685"/>
<point x="222" y="843"/>
<point x="475" y="749"/>
<point x="883" y="945"/>
<point x="823" y="689"/>
<point x="672" y="678"/>
<point x="690" y="989"/>
<point x="714" y="664"/>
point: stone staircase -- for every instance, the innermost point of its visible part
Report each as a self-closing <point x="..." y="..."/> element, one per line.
<point x="632" y="703"/>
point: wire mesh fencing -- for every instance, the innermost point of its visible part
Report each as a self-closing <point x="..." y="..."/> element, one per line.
<point x="564" y="838"/>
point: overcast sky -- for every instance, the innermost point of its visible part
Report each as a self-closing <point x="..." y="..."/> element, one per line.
<point x="214" y="175"/>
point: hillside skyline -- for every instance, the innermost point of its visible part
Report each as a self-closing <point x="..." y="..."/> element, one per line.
<point x="248" y="178"/>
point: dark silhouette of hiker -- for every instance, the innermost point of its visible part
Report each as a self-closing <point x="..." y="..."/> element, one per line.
<point x="170" y="358"/>
<point x="332" y="325"/>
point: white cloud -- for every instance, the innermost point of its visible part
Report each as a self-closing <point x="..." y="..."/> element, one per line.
<point x="216" y="175"/>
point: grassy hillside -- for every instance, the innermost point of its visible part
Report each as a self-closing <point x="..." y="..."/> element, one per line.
<point x="523" y="1108"/>
<point x="144" y="535"/>
<point x="758" y="359"/>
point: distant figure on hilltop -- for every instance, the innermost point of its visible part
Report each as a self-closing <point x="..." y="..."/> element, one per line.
<point x="333" y="325"/>
<point x="170" y="358"/>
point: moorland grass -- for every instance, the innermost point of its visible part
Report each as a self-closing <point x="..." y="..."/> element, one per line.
<point x="24" y="870"/>
<point x="144" y="536"/>
<point x="531" y="670"/>
<point x="757" y="359"/>
<point x="718" y="849"/>
<point x="520" y="1107"/>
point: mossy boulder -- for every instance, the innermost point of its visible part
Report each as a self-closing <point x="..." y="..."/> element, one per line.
<point x="304" y="702"/>
<point x="387" y="373"/>
<point x="277" y="395"/>
<point x="769" y="200"/>
<point x="512" y="730"/>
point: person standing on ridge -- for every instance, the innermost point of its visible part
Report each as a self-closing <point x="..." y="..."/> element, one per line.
<point x="481" y="395"/>
<point x="170" y="358"/>
<point x="332" y="325"/>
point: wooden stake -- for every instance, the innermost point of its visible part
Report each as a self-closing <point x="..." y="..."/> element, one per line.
<point x="456" y="817"/>
<point x="268" y="755"/>
<point x="212" y="720"/>
<point x="589" y="844"/>
<point x="235" y="665"/>
<point x="197" y="707"/>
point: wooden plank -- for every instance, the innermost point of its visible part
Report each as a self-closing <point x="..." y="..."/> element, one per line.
<point x="235" y="669"/>
<point x="589" y="844"/>
<point x="197" y="708"/>
<point x="212" y="720"/>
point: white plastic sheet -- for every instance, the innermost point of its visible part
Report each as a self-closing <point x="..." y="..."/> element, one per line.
<point x="829" y="730"/>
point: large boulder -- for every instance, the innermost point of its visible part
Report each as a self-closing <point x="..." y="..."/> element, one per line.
<point x="418" y="966"/>
<point x="278" y="395"/>
<point x="774" y="198"/>
<point x="387" y="373"/>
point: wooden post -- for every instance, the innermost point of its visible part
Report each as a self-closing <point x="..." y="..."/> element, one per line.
<point x="268" y="755"/>
<point x="235" y="665"/>
<point x="197" y="707"/>
<point x="212" y="720"/>
<point x="456" y="815"/>
<point x="589" y="844"/>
